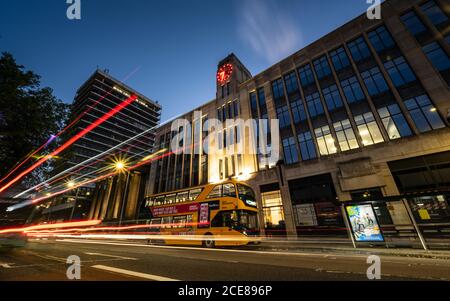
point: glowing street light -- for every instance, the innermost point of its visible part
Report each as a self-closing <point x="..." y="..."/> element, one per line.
<point x="119" y="165"/>
<point x="71" y="184"/>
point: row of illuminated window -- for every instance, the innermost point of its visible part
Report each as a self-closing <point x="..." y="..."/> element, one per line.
<point x="221" y="190"/>
<point x="230" y="166"/>
<point x="422" y="112"/>
<point x="398" y="69"/>
<point x="229" y="110"/>
<point x="228" y="137"/>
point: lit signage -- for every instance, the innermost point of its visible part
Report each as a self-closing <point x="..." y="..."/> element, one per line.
<point x="364" y="223"/>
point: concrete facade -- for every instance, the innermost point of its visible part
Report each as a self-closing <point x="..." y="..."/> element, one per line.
<point x="364" y="169"/>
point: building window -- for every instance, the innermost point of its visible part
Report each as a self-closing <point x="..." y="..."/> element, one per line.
<point x="394" y="122"/>
<point x="368" y="129"/>
<point x="359" y="49"/>
<point x="262" y="101"/>
<point x="291" y="82"/>
<point x="298" y="111"/>
<point x="381" y="39"/>
<point x="424" y="114"/>
<point x="290" y="151"/>
<point x="314" y="104"/>
<point x="283" y="116"/>
<point x="374" y="81"/>
<point x="399" y="71"/>
<point x="306" y="75"/>
<point x="273" y="211"/>
<point x="437" y="56"/>
<point x="277" y="88"/>
<point x="332" y="97"/>
<point x="434" y="12"/>
<point x="339" y="58"/>
<point x="236" y="108"/>
<point x="352" y="90"/>
<point x="307" y="147"/>
<point x="220" y="138"/>
<point x="322" y="67"/>
<point x="219" y="110"/>
<point x="345" y="135"/>
<point x="413" y="23"/>
<point x="325" y="141"/>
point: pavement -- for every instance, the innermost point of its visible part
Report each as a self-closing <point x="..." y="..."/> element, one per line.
<point x="342" y="245"/>
<point x="130" y="261"/>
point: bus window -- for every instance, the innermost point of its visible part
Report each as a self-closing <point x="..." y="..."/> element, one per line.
<point x="170" y="199"/>
<point x="149" y="202"/>
<point x="189" y="221"/>
<point x="159" y="200"/>
<point x="179" y="221"/>
<point x="247" y="195"/>
<point x="229" y="190"/>
<point x="155" y="221"/>
<point x="166" y="222"/>
<point x="182" y="196"/>
<point x="216" y="192"/>
<point x="194" y="193"/>
<point x="248" y="220"/>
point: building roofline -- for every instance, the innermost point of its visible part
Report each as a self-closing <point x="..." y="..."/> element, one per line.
<point x="119" y="83"/>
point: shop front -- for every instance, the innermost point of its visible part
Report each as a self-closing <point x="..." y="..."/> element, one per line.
<point x="316" y="208"/>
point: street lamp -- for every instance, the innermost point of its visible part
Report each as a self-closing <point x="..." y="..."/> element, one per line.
<point x="71" y="184"/>
<point x="119" y="166"/>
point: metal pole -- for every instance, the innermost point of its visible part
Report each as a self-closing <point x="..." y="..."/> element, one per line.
<point x="416" y="226"/>
<point x="74" y="205"/>
<point x="348" y="226"/>
<point x="123" y="201"/>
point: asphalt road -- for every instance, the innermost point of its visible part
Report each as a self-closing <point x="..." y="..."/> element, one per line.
<point x="113" y="260"/>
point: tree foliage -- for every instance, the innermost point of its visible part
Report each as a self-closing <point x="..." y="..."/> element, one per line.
<point x="29" y="114"/>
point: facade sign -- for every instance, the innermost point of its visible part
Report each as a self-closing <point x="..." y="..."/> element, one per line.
<point x="364" y="224"/>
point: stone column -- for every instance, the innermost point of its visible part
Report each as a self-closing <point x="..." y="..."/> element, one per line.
<point x="132" y="197"/>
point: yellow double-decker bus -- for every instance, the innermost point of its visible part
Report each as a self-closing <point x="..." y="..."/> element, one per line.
<point x="223" y="214"/>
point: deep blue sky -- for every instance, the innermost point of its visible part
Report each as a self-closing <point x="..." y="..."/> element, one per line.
<point x="176" y="44"/>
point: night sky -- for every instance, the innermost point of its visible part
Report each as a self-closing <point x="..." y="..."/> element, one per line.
<point x="167" y="49"/>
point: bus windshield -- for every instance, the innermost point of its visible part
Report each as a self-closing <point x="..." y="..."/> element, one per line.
<point x="247" y="195"/>
<point x="241" y="220"/>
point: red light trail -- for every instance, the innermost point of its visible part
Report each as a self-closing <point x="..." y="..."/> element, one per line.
<point x="68" y="143"/>
<point x="53" y="137"/>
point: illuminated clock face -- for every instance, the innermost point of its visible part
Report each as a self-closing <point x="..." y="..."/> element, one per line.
<point x="224" y="74"/>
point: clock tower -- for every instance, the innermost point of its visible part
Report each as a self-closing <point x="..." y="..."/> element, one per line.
<point x="230" y="73"/>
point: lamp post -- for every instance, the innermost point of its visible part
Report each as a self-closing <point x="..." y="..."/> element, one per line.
<point x="120" y="166"/>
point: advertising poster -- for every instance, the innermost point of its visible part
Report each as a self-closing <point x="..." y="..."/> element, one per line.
<point x="364" y="223"/>
<point x="203" y="216"/>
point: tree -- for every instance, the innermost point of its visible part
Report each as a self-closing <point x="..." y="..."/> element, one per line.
<point x="29" y="115"/>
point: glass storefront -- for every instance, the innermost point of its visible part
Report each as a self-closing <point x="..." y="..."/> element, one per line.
<point x="431" y="209"/>
<point x="274" y="221"/>
<point x="316" y="208"/>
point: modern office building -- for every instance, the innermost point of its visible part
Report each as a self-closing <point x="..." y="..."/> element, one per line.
<point x="97" y="96"/>
<point x="364" y="118"/>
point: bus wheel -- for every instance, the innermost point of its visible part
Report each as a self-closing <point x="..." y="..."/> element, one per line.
<point x="208" y="241"/>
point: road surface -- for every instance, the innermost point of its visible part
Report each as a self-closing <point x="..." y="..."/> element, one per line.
<point x="115" y="260"/>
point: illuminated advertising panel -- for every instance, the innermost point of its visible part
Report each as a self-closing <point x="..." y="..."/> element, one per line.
<point x="364" y="223"/>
